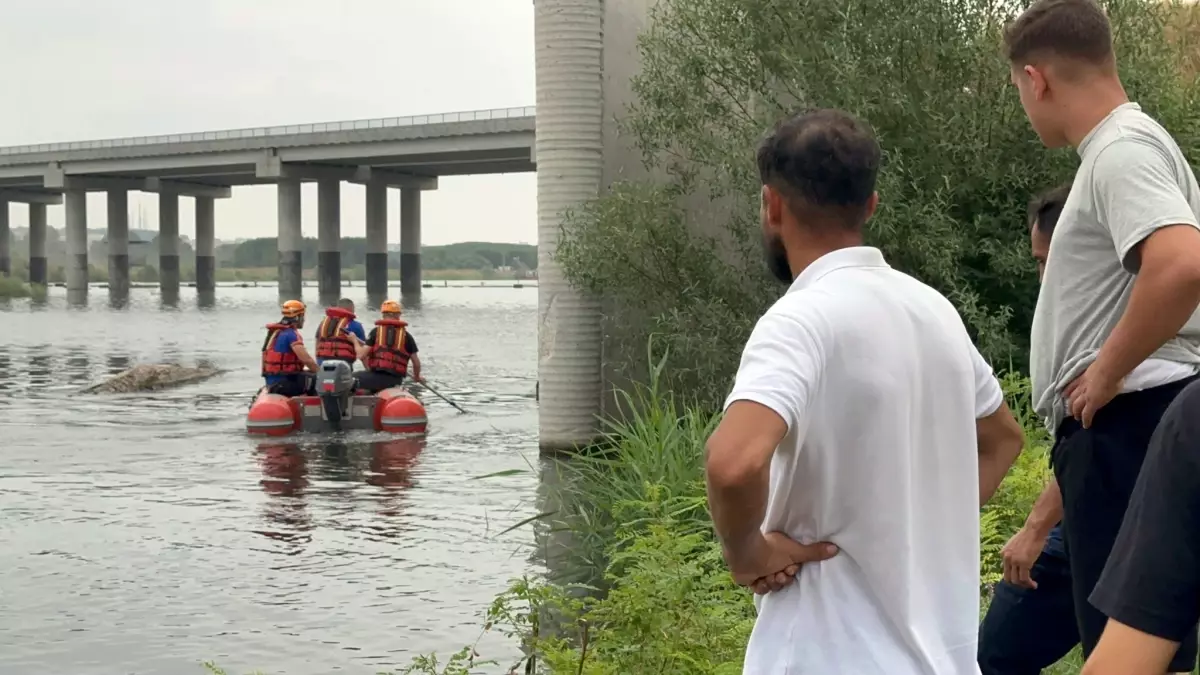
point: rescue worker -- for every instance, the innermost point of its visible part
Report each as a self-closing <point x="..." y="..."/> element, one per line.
<point x="389" y="348"/>
<point x="284" y="358"/>
<point x="339" y="334"/>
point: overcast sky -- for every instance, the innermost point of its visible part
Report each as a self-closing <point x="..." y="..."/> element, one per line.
<point x="91" y="69"/>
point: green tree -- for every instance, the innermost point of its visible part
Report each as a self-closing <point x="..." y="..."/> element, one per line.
<point x="960" y="160"/>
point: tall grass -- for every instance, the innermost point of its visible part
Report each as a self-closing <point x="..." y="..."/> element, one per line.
<point x="647" y="466"/>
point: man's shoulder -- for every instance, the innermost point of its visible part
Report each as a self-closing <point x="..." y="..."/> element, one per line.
<point x="1135" y="137"/>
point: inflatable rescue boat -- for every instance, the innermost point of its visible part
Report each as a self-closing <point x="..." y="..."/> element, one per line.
<point x="337" y="406"/>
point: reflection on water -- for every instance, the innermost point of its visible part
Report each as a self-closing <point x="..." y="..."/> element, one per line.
<point x="146" y="532"/>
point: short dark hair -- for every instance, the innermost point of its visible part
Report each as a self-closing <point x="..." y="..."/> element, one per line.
<point x="346" y="303"/>
<point x="1045" y="208"/>
<point x="825" y="163"/>
<point x="1072" y="29"/>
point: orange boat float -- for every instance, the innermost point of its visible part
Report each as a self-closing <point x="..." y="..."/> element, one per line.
<point x="337" y="407"/>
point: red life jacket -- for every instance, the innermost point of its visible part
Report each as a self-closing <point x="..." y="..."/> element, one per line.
<point x="387" y="352"/>
<point x="276" y="363"/>
<point x="332" y="339"/>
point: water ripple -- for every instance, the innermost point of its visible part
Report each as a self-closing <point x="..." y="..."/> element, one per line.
<point x="144" y="533"/>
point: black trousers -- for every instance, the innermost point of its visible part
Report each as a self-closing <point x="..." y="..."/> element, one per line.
<point x="1097" y="469"/>
<point x="1027" y="630"/>
<point x="376" y="381"/>
<point x="295" y="385"/>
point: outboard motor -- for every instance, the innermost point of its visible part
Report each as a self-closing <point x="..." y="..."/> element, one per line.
<point x="335" y="385"/>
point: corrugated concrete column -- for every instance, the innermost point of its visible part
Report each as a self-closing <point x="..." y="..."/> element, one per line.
<point x="377" y="256"/>
<point x="206" y="260"/>
<point x="410" y="241"/>
<point x="75" y="203"/>
<point x="37" y="244"/>
<point x="5" y="245"/>
<point x="168" y="244"/>
<point x="329" y="241"/>
<point x="568" y="43"/>
<point x="118" y="244"/>
<point x="291" y="266"/>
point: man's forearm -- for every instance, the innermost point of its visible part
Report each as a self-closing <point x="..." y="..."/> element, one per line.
<point x="738" y="507"/>
<point x="1047" y="510"/>
<point x="1161" y="302"/>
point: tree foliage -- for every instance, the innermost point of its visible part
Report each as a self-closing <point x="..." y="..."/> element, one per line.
<point x="960" y="160"/>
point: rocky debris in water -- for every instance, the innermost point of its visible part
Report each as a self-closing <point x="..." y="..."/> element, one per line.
<point x="152" y="378"/>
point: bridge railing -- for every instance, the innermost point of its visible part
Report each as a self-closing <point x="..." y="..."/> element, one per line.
<point x="283" y="130"/>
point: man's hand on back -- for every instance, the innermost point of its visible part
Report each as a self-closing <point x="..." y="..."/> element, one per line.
<point x="770" y="562"/>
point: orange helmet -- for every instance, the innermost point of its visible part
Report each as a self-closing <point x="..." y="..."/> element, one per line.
<point x="293" y="309"/>
<point x="390" y="307"/>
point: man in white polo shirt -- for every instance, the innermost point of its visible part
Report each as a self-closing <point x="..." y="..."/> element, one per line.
<point x="862" y="417"/>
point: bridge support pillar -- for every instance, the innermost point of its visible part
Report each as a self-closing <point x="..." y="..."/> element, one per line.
<point x="118" y="245"/>
<point x="5" y="245"/>
<point x="206" y="260"/>
<point x="329" y="241"/>
<point x="75" y="203"/>
<point x="410" y="241"/>
<point x="37" y="244"/>
<point x="291" y="266"/>
<point x="377" y="255"/>
<point x="568" y="64"/>
<point x="168" y="246"/>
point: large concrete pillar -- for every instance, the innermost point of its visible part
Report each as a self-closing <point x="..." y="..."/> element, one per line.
<point x="75" y="203"/>
<point x="37" y="244"/>
<point x="377" y="255"/>
<point x="206" y="259"/>
<point x="329" y="241"/>
<point x="410" y="240"/>
<point x="5" y="244"/>
<point x="291" y="266"/>
<point x="118" y="244"/>
<point x="568" y="63"/>
<point x="168" y="243"/>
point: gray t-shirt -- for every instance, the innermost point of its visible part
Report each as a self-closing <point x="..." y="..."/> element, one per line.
<point x="1132" y="180"/>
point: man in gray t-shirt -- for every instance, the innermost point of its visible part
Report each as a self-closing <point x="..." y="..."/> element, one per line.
<point x="1132" y="180"/>
<point x="1116" y="334"/>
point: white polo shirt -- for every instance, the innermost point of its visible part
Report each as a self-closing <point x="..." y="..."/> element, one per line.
<point x="880" y="386"/>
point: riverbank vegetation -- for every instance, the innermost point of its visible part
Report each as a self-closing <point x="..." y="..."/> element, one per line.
<point x="256" y="260"/>
<point x="11" y="287"/>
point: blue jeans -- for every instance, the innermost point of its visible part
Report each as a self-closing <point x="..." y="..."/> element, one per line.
<point x="1025" y="629"/>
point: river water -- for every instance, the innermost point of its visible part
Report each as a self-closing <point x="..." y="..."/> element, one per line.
<point x="145" y="533"/>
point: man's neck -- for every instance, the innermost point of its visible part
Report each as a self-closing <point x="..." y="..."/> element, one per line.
<point x="801" y="257"/>
<point x="1090" y="104"/>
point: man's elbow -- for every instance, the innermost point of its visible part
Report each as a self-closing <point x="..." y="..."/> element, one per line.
<point x="725" y="467"/>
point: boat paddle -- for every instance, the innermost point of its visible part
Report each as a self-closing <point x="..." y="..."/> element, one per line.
<point x="442" y="396"/>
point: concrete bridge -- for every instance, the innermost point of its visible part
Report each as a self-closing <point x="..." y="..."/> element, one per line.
<point x="585" y="53"/>
<point x="409" y="153"/>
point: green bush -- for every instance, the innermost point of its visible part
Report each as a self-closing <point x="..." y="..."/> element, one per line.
<point x="12" y="287"/>
<point x="960" y="161"/>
